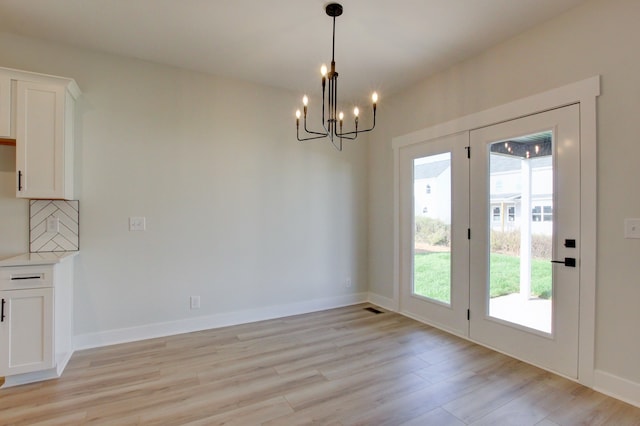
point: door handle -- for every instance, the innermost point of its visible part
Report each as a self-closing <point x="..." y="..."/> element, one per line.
<point x="19" y="180"/>
<point x="2" y="311"/>
<point x="568" y="261"/>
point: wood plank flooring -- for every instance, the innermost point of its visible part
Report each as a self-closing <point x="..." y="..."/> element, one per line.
<point x="344" y="366"/>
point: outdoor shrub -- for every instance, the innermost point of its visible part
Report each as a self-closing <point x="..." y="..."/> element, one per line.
<point x="509" y="243"/>
<point x="432" y="231"/>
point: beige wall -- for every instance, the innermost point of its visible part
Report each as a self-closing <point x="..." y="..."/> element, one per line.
<point x="238" y="212"/>
<point x="598" y="37"/>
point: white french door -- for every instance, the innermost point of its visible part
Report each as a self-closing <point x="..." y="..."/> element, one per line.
<point x="525" y="215"/>
<point x="479" y="236"/>
<point x="434" y="197"/>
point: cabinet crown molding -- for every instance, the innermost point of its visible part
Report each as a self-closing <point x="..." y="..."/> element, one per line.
<point x="70" y="83"/>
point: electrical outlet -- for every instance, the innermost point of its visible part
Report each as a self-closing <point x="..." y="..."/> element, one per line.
<point x="632" y="228"/>
<point x="195" y="302"/>
<point x="137" y="223"/>
<point x="53" y="224"/>
<point x="347" y="283"/>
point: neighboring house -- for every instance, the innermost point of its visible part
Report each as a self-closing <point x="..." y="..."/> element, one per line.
<point x="506" y="193"/>
<point x="432" y="190"/>
<point x="432" y="187"/>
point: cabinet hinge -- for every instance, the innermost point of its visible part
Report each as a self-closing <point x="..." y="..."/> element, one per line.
<point x="468" y="148"/>
<point x="468" y="315"/>
<point x="468" y="233"/>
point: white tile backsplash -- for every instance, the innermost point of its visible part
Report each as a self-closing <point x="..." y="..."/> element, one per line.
<point x="67" y="236"/>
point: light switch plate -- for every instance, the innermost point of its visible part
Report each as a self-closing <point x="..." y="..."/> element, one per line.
<point x="632" y="228"/>
<point x="137" y="223"/>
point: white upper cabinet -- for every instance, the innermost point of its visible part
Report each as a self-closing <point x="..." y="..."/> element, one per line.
<point x="44" y="152"/>
<point x="38" y="111"/>
<point x="5" y="108"/>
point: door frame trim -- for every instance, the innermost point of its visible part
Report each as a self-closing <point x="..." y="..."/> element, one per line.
<point x="584" y="93"/>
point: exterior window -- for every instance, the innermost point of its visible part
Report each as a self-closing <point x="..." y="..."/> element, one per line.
<point x="548" y="213"/>
<point x="512" y="214"/>
<point x="428" y="189"/>
<point x="496" y="214"/>
<point x="536" y="214"/>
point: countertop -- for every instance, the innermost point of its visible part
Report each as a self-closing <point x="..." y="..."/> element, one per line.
<point x="29" y="259"/>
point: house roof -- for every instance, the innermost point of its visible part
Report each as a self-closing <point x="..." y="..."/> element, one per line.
<point x="430" y="170"/>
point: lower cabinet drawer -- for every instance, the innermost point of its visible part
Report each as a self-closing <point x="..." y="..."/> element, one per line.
<point x="20" y="277"/>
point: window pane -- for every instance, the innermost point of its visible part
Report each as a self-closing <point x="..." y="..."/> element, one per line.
<point x="432" y="232"/>
<point x="520" y="273"/>
<point x="496" y="213"/>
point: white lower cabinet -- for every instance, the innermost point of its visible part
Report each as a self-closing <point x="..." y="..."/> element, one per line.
<point x="36" y="321"/>
<point x="26" y="331"/>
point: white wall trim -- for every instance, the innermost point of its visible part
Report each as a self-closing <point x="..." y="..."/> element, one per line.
<point x="150" y="331"/>
<point x="584" y="92"/>
<point x="580" y="91"/>
<point x="617" y="387"/>
<point x="382" y="301"/>
<point x="33" y="377"/>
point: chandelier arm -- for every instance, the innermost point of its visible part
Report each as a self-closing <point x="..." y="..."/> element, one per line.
<point x="311" y="131"/>
<point x="335" y="101"/>
<point x="338" y="147"/>
<point x="311" y="138"/>
<point x="355" y="132"/>
<point x="323" y="101"/>
<point x="345" y="135"/>
<point x="322" y="135"/>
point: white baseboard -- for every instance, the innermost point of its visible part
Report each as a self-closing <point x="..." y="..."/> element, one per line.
<point x="617" y="387"/>
<point x="150" y="331"/>
<point x="382" y="301"/>
<point x="36" y="376"/>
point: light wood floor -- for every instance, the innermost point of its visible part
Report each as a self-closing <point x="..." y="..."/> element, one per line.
<point x="342" y="366"/>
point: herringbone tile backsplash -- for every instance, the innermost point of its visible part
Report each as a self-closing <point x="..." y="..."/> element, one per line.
<point x="66" y="239"/>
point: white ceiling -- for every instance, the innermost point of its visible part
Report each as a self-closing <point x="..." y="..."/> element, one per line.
<point x="381" y="45"/>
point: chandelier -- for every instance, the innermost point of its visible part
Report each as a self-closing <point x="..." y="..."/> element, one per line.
<point x="332" y="120"/>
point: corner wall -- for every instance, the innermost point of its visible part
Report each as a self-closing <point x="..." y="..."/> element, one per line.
<point x="237" y="211"/>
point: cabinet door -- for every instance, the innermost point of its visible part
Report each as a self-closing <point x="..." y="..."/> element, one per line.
<point x="5" y="107"/>
<point x="40" y="140"/>
<point x="26" y="331"/>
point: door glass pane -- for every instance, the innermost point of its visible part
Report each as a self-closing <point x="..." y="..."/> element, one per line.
<point x="432" y="231"/>
<point x="521" y="224"/>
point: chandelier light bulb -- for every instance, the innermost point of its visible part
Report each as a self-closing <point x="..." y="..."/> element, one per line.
<point x="305" y="100"/>
<point x="374" y="97"/>
<point x="323" y="70"/>
<point x="341" y="115"/>
<point x="298" y="114"/>
<point x="356" y="111"/>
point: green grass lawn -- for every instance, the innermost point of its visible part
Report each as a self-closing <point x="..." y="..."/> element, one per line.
<point x="432" y="276"/>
